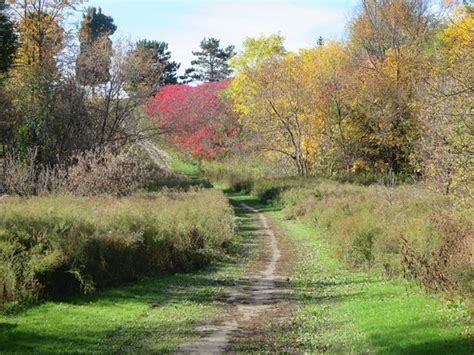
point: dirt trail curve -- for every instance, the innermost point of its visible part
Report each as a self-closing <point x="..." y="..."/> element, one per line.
<point x="251" y="296"/>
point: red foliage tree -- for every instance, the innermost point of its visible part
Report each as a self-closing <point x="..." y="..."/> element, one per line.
<point x="198" y="118"/>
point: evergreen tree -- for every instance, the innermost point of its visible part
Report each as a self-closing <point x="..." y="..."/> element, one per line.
<point x="211" y="63"/>
<point x="8" y="39"/>
<point x="94" y="59"/>
<point x="162" y="57"/>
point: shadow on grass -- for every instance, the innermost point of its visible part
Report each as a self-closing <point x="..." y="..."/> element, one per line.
<point x="395" y="340"/>
<point x="236" y="199"/>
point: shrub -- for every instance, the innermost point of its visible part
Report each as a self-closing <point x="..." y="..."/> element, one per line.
<point x="114" y="170"/>
<point x="57" y="245"/>
<point x="401" y="230"/>
<point x="109" y="170"/>
<point x="448" y="266"/>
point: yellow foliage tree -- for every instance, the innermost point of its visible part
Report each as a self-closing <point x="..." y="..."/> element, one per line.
<point x="41" y="38"/>
<point x="447" y="144"/>
<point x="388" y="41"/>
<point x="275" y="96"/>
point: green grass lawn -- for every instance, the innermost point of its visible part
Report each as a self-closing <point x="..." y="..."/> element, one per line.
<point x="154" y="315"/>
<point x="183" y="167"/>
<point x="341" y="311"/>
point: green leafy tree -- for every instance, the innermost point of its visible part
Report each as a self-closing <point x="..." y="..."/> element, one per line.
<point x="94" y="60"/>
<point x="211" y="63"/>
<point x="8" y="39"/>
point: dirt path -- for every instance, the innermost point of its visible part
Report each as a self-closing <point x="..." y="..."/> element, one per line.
<point x="252" y="296"/>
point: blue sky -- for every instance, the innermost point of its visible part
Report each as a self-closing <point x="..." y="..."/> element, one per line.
<point x="183" y="23"/>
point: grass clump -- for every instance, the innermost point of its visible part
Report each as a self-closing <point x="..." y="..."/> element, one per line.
<point x="57" y="245"/>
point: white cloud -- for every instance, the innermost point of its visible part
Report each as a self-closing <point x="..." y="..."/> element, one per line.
<point x="300" y="22"/>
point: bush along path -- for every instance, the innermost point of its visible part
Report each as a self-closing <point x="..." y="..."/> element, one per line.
<point x="330" y="309"/>
<point x="253" y="296"/>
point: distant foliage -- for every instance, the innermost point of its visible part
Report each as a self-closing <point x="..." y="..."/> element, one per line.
<point x="360" y="107"/>
<point x="198" y="118"/>
<point x="447" y="145"/>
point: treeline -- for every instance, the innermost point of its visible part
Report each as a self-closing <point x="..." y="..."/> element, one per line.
<point x="391" y="102"/>
<point x="395" y="98"/>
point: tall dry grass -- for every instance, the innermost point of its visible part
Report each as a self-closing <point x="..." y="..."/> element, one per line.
<point x="400" y="230"/>
<point x="56" y="245"/>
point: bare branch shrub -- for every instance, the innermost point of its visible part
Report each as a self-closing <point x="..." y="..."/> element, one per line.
<point x="118" y="172"/>
<point x="113" y="170"/>
<point x="20" y="175"/>
<point x="443" y="269"/>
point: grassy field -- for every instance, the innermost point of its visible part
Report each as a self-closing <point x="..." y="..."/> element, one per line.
<point x="341" y="311"/>
<point x="154" y="315"/>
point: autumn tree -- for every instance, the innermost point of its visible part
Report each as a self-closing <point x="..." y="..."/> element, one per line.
<point x="199" y="119"/>
<point x="274" y="104"/>
<point x="447" y="143"/>
<point x="150" y="67"/>
<point x="41" y="33"/>
<point x="8" y="44"/>
<point x="162" y="59"/>
<point x="143" y="73"/>
<point x="211" y="63"/>
<point x="388" y="39"/>
<point x="328" y="84"/>
<point x="37" y="87"/>
<point x="94" y="60"/>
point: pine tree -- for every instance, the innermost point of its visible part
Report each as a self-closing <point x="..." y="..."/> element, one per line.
<point x="162" y="57"/>
<point x="211" y="64"/>
<point x="8" y="39"/>
<point x="94" y="60"/>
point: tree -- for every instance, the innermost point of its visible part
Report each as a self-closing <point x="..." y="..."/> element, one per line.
<point x="142" y="73"/>
<point x="211" y="64"/>
<point x="389" y="40"/>
<point x="150" y="68"/>
<point x="197" y="118"/>
<point x="41" y="35"/>
<point x="41" y="39"/>
<point x="328" y="83"/>
<point x="447" y="145"/>
<point x="274" y="100"/>
<point x="8" y="39"/>
<point x="96" y="28"/>
<point x="254" y="54"/>
<point x="33" y="89"/>
<point x="162" y="57"/>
